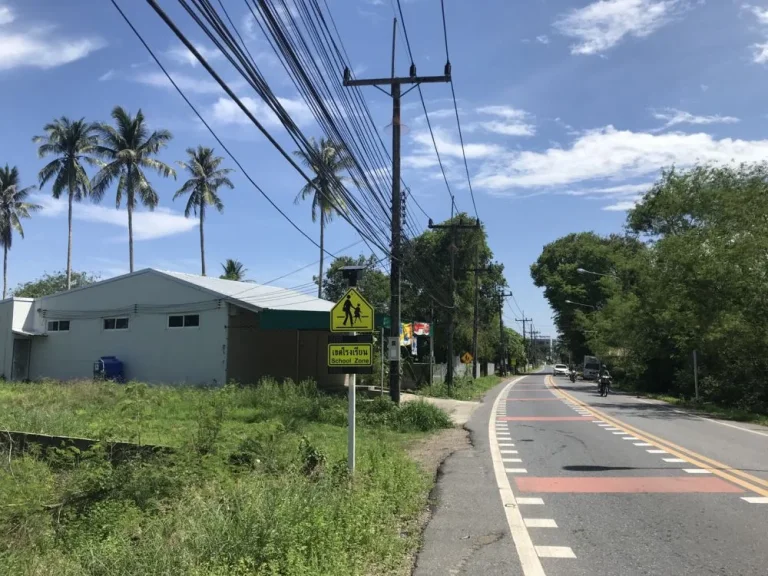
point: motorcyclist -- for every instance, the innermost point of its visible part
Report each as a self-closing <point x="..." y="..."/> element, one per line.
<point x="604" y="382"/>
<point x="572" y="373"/>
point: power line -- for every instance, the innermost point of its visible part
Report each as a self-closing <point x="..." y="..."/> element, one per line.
<point x="456" y="109"/>
<point x="424" y="107"/>
<point x="213" y="133"/>
<point x="305" y="266"/>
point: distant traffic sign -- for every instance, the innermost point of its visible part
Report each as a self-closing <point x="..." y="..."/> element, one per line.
<point x="352" y="313"/>
<point x="466" y="358"/>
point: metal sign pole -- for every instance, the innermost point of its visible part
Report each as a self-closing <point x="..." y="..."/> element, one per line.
<point x="351" y="421"/>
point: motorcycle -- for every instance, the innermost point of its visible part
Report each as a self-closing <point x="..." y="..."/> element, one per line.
<point x="572" y="375"/>
<point x="604" y="384"/>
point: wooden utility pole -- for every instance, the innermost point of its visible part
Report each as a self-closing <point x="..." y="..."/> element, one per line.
<point x="453" y="226"/>
<point x="396" y="259"/>
<point x="476" y="319"/>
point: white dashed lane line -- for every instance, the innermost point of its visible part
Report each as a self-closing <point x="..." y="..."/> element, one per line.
<point x="539" y="523"/>
<point x="696" y="471"/>
<point x="530" y="502"/>
<point x="673" y="460"/>
<point x="554" y="552"/>
<point x="753" y="499"/>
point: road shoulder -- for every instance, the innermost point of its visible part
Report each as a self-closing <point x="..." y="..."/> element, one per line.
<point x="467" y="532"/>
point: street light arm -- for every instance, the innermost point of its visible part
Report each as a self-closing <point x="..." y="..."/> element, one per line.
<point x="583" y="271"/>
<point x="581" y="304"/>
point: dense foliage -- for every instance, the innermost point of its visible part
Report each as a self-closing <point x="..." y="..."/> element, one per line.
<point x="690" y="274"/>
<point x="52" y="284"/>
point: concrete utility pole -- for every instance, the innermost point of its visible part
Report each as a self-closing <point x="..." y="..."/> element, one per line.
<point x="502" y="338"/>
<point x="534" y="334"/>
<point x="395" y="84"/>
<point x="453" y="226"/>
<point x="476" y="320"/>
<point x="524" y="320"/>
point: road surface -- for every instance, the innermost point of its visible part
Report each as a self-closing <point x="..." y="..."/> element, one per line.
<point x="563" y="482"/>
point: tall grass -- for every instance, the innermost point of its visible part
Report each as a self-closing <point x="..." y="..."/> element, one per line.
<point x="258" y="483"/>
<point x="464" y="388"/>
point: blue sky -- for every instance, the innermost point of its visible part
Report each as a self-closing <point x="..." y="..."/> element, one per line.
<point x="570" y="108"/>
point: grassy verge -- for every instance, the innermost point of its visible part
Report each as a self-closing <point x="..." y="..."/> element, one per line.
<point x="463" y="389"/>
<point x="705" y="408"/>
<point x="257" y="485"/>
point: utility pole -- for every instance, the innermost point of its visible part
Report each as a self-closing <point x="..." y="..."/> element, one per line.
<point x="453" y="226"/>
<point x="476" y="320"/>
<point x="534" y="334"/>
<point x="524" y="320"/>
<point x="395" y="268"/>
<point x="502" y="339"/>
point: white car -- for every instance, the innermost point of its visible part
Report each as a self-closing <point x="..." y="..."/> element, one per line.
<point x="560" y="370"/>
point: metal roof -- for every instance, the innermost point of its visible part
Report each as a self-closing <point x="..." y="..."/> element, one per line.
<point x="253" y="295"/>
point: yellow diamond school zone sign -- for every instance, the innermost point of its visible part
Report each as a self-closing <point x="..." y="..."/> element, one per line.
<point x="352" y="313"/>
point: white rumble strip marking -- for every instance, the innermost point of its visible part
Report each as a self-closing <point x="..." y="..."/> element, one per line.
<point x="673" y="460"/>
<point x="750" y="499"/>
<point x="657" y="451"/>
<point x="642" y="444"/>
<point x="696" y="471"/>
<point x="528" y="554"/>
<point x="512" y="460"/>
<point x="554" y="552"/>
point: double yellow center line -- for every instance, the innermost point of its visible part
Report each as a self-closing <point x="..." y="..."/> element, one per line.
<point x="738" y="477"/>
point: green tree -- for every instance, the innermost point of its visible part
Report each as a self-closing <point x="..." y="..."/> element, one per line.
<point x="426" y="288"/>
<point x="13" y="207"/>
<point x="73" y="143"/>
<point x="327" y="162"/>
<point x="374" y="284"/>
<point x="128" y="149"/>
<point x="53" y="284"/>
<point x="233" y="270"/>
<point x="203" y="186"/>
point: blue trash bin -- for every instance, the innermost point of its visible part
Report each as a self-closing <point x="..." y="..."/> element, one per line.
<point x="110" y="368"/>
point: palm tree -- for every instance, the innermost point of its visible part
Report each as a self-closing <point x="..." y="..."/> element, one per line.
<point x="203" y="186"/>
<point x="128" y="149"/>
<point x="72" y="142"/>
<point x="233" y="270"/>
<point x="12" y="209"/>
<point x="327" y="162"/>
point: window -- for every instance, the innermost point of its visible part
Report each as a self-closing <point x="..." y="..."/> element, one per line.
<point x="115" y="323"/>
<point x="58" y="326"/>
<point x="185" y="321"/>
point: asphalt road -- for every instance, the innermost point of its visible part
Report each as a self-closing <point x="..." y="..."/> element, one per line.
<point x="560" y="481"/>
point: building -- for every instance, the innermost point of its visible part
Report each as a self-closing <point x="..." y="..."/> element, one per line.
<point x="168" y="327"/>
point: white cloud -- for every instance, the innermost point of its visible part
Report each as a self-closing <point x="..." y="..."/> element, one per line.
<point x="622" y="206"/>
<point x="543" y="39"/>
<point x="760" y="53"/>
<point x="608" y="153"/>
<point x="673" y="117"/>
<point x="514" y="122"/>
<point x="181" y="55"/>
<point x="760" y="13"/>
<point x="107" y="75"/>
<point x="619" y="191"/>
<point x="601" y="25"/>
<point x="147" y="225"/>
<point x="226" y="111"/>
<point x="39" y="47"/>
<point x="6" y="15"/>
<point x="419" y="161"/>
<point x="186" y="83"/>
<point x="449" y="147"/>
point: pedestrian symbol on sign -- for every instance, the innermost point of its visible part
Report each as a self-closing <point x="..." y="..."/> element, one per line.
<point x="352" y="313"/>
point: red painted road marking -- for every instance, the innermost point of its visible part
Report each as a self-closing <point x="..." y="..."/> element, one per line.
<point x="653" y="484"/>
<point x="533" y="399"/>
<point x="546" y="418"/>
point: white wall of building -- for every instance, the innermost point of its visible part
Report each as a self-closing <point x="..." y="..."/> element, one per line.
<point x="6" y="337"/>
<point x="150" y="351"/>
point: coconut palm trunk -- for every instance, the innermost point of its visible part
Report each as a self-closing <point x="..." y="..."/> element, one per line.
<point x="70" y="199"/>
<point x="5" y="270"/>
<point x="202" y="238"/>
<point x="322" y="251"/>
<point x="130" y="222"/>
